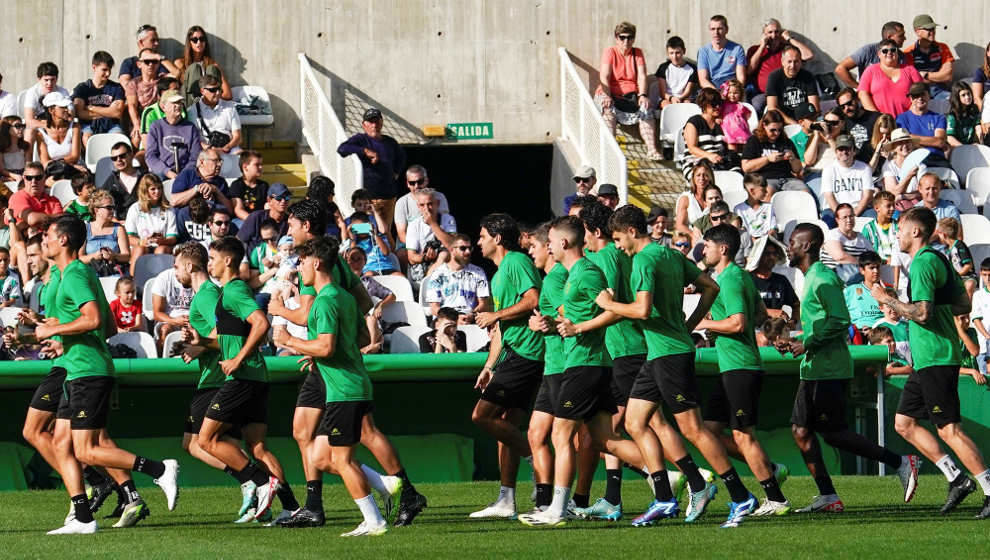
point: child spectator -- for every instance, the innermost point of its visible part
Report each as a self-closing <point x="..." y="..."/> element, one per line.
<point x="10" y="284"/>
<point x="285" y="278"/>
<point x="981" y="309"/>
<point x="382" y="296"/>
<point x="969" y="350"/>
<point x="677" y="78"/>
<point x="898" y="327"/>
<point x="82" y="186"/>
<point x="363" y="232"/>
<point x="757" y="215"/>
<point x="963" y="121"/>
<point x="249" y="192"/>
<point x="882" y="230"/>
<point x="958" y="252"/>
<point x="681" y="242"/>
<point x="735" y="115"/>
<point x="864" y="310"/>
<point x="445" y="338"/>
<point x="897" y="364"/>
<point x="126" y="310"/>
<point x="264" y="258"/>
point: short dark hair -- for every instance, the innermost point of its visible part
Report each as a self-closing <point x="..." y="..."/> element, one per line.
<point x="4" y="251"/>
<point x="73" y="228"/>
<point x="208" y="81"/>
<point x="844" y="206"/>
<point x="246" y="156"/>
<point x="120" y="145"/>
<point x="584" y="201"/>
<point x="676" y="42"/>
<point x="724" y="234"/>
<point x="194" y="251"/>
<point x="848" y="91"/>
<point x="868" y="258"/>
<point x="199" y="209"/>
<point x="360" y="216"/>
<point x="460" y="237"/>
<point x="47" y="69"/>
<point x="984" y="265"/>
<point x="165" y="83"/>
<point x="708" y="97"/>
<point x="626" y="217"/>
<point x="789" y="48"/>
<point x="37" y="238"/>
<point x="448" y="313"/>
<point x="817" y="238"/>
<point x="321" y="189"/>
<point x="81" y="180"/>
<point x="570" y="226"/>
<point x="325" y="249"/>
<point x="102" y="57"/>
<point x="505" y="228"/>
<point x="267" y="223"/>
<point x="923" y="217"/>
<point x="312" y="212"/>
<point x="220" y="210"/>
<point x="231" y="247"/>
<point x="595" y="217"/>
<point x="360" y="194"/>
<point x="541" y="233"/>
<point x="891" y="28"/>
<point x="755" y="178"/>
<point x="719" y="205"/>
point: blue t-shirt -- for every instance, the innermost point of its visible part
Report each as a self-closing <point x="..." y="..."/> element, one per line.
<point x="922" y="125"/>
<point x="721" y="65"/>
<point x="189" y="178"/>
<point x="100" y="97"/>
<point x="944" y="209"/>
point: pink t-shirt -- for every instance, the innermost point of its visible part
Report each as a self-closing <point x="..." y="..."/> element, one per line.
<point x="890" y="97"/>
<point x="735" y="122"/>
<point x="624" y="69"/>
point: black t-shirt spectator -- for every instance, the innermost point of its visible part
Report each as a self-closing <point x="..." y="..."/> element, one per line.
<point x="791" y="92"/>
<point x="861" y="130"/>
<point x="100" y="97"/>
<point x="189" y="230"/>
<point x="774" y="170"/>
<point x="776" y="291"/>
<point x="428" y="341"/>
<point x="122" y="200"/>
<point x="253" y="197"/>
<point x="250" y="232"/>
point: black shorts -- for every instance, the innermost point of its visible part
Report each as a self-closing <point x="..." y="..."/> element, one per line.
<point x="240" y="402"/>
<point x="341" y="422"/>
<point x="821" y="405"/>
<point x="49" y="392"/>
<point x="669" y="379"/>
<point x="547" y="394"/>
<point x="313" y="392"/>
<point x="735" y="400"/>
<point x="514" y="382"/>
<point x="584" y="392"/>
<point x="932" y="393"/>
<point x="624" y="373"/>
<point x="197" y="411"/>
<point x="89" y="401"/>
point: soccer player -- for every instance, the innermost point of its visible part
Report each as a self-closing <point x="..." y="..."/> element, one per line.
<point x="242" y="400"/>
<point x="333" y="351"/>
<point x="514" y="369"/>
<point x="932" y="390"/>
<point x="658" y="278"/>
<point x="826" y="367"/>
<point x="308" y="220"/>
<point x="736" y="399"/>
<point x="83" y="315"/>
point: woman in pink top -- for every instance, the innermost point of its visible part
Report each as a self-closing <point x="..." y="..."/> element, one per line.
<point x="884" y="87"/>
<point x="622" y="86"/>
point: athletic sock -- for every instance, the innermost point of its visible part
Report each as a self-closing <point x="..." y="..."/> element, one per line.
<point x="772" y="489"/>
<point x="984" y="479"/>
<point x="948" y="468"/>
<point x="130" y="492"/>
<point x="245" y="474"/>
<point x="121" y="495"/>
<point x="824" y="483"/>
<point x="407" y="486"/>
<point x="559" y="503"/>
<point x="374" y="479"/>
<point x="369" y="509"/>
<point x="640" y="472"/>
<point x="690" y="470"/>
<point x="544" y="495"/>
<point x="150" y="467"/>
<point x="661" y="486"/>
<point x="859" y="445"/>
<point x="582" y="500"/>
<point x="506" y="495"/>
<point x="286" y="496"/>
<point x="232" y="473"/>
<point x="314" y="495"/>
<point x="734" y="485"/>
<point x="613" y="486"/>
<point x="258" y="475"/>
<point x="93" y="476"/>
<point x="81" y="506"/>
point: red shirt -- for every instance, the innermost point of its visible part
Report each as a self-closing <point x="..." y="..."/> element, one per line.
<point x="22" y="200"/>
<point x="624" y="69"/>
<point x="769" y="61"/>
<point x="124" y="316"/>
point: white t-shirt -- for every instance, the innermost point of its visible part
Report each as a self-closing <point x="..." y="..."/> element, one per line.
<point x="419" y="234"/>
<point x="8" y="104"/>
<point x="677" y="78"/>
<point x="142" y="224"/>
<point x="847" y="183"/>
<point x="222" y="118"/>
<point x="890" y="169"/>
<point x="981" y="310"/>
<point x="407" y="212"/>
<point x="758" y="222"/>
<point x="460" y="290"/>
<point x="177" y="297"/>
<point x="33" y="98"/>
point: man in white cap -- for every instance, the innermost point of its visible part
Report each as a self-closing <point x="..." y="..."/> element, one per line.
<point x="584" y="181"/>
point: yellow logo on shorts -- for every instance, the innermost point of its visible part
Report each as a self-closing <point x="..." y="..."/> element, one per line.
<point x="936" y="410"/>
<point x="568" y="404"/>
<point x="335" y="432"/>
<point x="822" y="417"/>
<point x="82" y="414"/>
<point x="189" y="419"/>
<point x="215" y="406"/>
<point x="679" y="398"/>
<point x="740" y="412"/>
<point x="46" y="397"/>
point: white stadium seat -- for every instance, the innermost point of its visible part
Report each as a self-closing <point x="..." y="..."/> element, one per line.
<point x="753" y="121"/>
<point x="169" y="344"/>
<point x="477" y="337"/>
<point x="961" y="198"/>
<point x="399" y="285"/>
<point x="791" y="130"/>
<point x="672" y="120"/>
<point x="969" y="157"/>
<point x="733" y="198"/>
<point x="146" y="300"/>
<point x="794" y="205"/>
<point x="405" y="340"/>
<point x="99" y="146"/>
<point x="141" y="342"/>
<point x="947" y="175"/>
<point x="976" y="229"/>
<point x="690" y="303"/>
<point x="62" y="190"/>
<point x="978" y="185"/>
<point x="8" y="316"/>
<point x="109" y="284"/>
<point x="729" y="181"/>
<point x="404" y="312"/>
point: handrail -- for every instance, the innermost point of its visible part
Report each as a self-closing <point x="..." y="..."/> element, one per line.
<point x="582" y="124"/>
<point x="323" y="132"/>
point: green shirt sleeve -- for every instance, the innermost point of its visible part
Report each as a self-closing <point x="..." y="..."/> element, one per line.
<point x="924" y="277"/>
<point x="326" y="316"/>
<point x="833" y="323"/>
<point x="732" y="296"/>
<point x="642" y="278"/>
<point x="239" y="300"/>
<point x="77" y="289"/>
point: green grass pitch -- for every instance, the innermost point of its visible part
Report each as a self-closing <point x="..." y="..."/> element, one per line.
<point x="876" y="524"/>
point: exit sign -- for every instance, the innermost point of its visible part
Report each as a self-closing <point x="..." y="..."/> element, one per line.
<point x="470" y="131"/>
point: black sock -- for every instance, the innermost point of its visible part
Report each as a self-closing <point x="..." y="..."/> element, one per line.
<point x="231" y="472"/>
<point x="859" y="445"/>
<point x="81" y="506"/>
<point x="121" y="495"/>
<point x="150" y="467"/>
<point x="735" y="486"/>
<point x="690" y="470"/>
<point x="244" y="474"/>
<point x="314" y="495"/>
<point x="544" y="494"/>
<point x="259" y="476"/>
<point x="636" y="470"/>
<point x="772" y="489"/>
<point x="824" y="483"/>
<point x="287" y="498"/>
<point x="661" y="486"/>
<point x="407" y="485"/>
<point x="581" y="500"/>
<point x="130" y="492"/>
<point x="613" y="486"/>
<point x="93" y="476"/>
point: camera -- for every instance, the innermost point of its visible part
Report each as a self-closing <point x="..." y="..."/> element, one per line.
<point x="819" y="126"/>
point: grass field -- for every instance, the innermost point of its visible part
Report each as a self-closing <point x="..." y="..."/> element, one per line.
<point x="876" y="524"/>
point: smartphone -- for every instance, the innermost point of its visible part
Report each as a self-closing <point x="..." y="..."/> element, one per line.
<point x="361" y="229"/>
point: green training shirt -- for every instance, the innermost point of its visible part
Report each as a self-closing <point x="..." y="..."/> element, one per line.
<point x="235" y="305"/>
<point x="551" y="298"/>
<point x="515" y="276"/>
<point x="584" y="282"/>
<point x="623" y="338"/>
<point x="737" y="294"/>
<point x="342" y="276"/>
<point x="864" y="311"/>
<point x="85" y="354"/>
<point x="203" y="318"/>
<point x="334" y="311"/>
<point x="932" y="279"/>
<point x="825" y="322"/>
<point x="664" y="273"/>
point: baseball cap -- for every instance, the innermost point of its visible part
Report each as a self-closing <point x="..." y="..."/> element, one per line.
<point x="916" y="89"/>
<point x="584" y="172"/>
<point x="844" y="141"/>
<point x="172" y="97"/>
<point x="372" y="114"/>
<point x="278" y="189"/>
<point x="56" y="99"/>
<point x="655" y="212"/>
<point x="805" y="111"/>
<point x="285" y="240"/>
<point x="608" y="189"/>
<point x="924" y="21"/>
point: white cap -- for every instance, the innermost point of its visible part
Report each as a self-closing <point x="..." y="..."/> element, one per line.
<point x="56" y="99"/>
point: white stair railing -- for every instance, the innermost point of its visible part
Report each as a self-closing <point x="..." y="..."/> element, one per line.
<point x="323" y="132"/>
<point x="583" y="126"/>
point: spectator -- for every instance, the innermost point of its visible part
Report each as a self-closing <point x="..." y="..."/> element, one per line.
<point x="844" y="245"/>
<point x="807" y="116"/>
<point x="962" y="123"/>
<point x="881" y="231"/>
<point x="678" y="78"/>
<point x="218" y="122"/>
<point x="722" y="59"/>
<point x="123" y="180"/>
<point x="382" y="160"/>
<point x="192" y="221"/>
<point x="459" y="285"/>
<point x="362" y="232"/>
<point x="150" y="222"/>
<point x="621" y="91"/>
<point x="126" y="309"/>
<point x="15" y="151"/>
<point x="4" y="228"/>
<point x="847" y="180"/>
<point x="791" y="85"/>
<point x="874" y="151"/>
<point x="692" y="204"/>
<point x="703" y="136"/>
<point x="197" y="62"/>
<point x="31" y="205"/>
<point x="444" y="338"/>
<point x="156" y="111"/>
<point x="897" y="364"/>
<point x="173" y="143"/>
<point x="927" y="127"/>
<point x="8" y="102"/>
<point x="321" y="190"/>
<point x="278" y="203"/>
<point x="382" y="296"/>
<point x="267" y="257"/>
<point x="884" y="86"/>
<point x="775" y="289"/>
<point x="969" y="350"/>
<point x="864" y="311"/>
<point x="142" y="91"/>
<point x="771" y="153"/>
<point x="221" y="225"/>
<point x="930" y="187"/>
<point x="981" y="308"/>
<point x="10" y="283"/>
<point x="903" y="183"/>
<point x="578" y="203"/>
<point x="60" y="137"/>
<point x="147" y="44"/>
<point x="933" y="60"/>
<point x="203" y="179"/>
<point x="406" y="210"/>
<point x="99" y="101"/>
<point x="171" y="294"/>
<point x="82" y="186"/>
<point x="772" y="330"/>
<point x="719" y="213"/>
<point x="428" y="240"/>
<point x="249" y="191"/>
<point x="819" y="152"/>
<point x="756" y="211"/>
<point x="584" y="182"/>
<point x="657" y="220"/>
<point x="608" y="195"/>
<point x="681" y="242"/>
<point x="37" y="268"/>
<point x="735" y="115"/>
<point x="858" y="123"/>
<point x="949" y="233"/>
<point x="981" y="79"/>
<point x="35" y="111"/>
<point x="868" y="54"/>
<point x="765" y="58"/>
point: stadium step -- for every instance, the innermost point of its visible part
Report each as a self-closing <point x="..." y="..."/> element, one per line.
<point x="650" y="182"/>
<point x="292" y="174"/>
<point x="282" y="151"/>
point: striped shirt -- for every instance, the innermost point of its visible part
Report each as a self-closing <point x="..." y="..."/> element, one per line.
<point x="853" y="246"/>
<point x="710" y="139"/>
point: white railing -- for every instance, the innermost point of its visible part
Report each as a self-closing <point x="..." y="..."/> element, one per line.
<point x="581" y="123"/>
<point x="323" y="132"/>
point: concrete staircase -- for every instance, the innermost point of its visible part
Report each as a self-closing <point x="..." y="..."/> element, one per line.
<point x="283" y="165"/>
<point x="651" y="183"/>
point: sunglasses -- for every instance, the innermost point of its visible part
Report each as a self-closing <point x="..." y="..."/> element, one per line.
<point x="211" y="89"/>
<point x="719" y="217"/>
<point x="416" y="183"/>
<point x="149" y="61"/>
<point x="119" y="157"/>
<point x="282" y="197"/>
<point x="104" y="207"/>
<point x="463" y="248"/>
<point x="843" y="149"/>
<point x="850" y="103"/>
<point x="888" y="50"/>
<point x="682" y="244"/>
<point x="20" y="125"/>
<point x="33" y="177"/>
<point x="221" y="223"/>
<point x="625" y="37"/>
<point x="197" y="39"/>
<point x="831" y="123"/>
<point x="582" y="179"/>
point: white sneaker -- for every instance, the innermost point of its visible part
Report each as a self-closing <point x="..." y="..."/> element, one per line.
<point x="75" y="527"/>
<point x="133" y="512"/>
<point x="71" y="516"/>
<point x="247" y="517"/>
<point x="542" y="519"/>
<point x="770" y="507"/>
<point x="497" y="510"/>
<point x="365" y="530"/>
<point x="264" y="494"/>
<point x="830" y="503"/>
<point x="908" y="473"/>
<point x="393" y="488"/>
<point x="169" y="482"/>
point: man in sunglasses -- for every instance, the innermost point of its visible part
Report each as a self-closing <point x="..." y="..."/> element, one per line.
<point x="458" y="284"/>
<point x="147" y="38"/>
<point x="278" y="204"/>
<point x="217" y="119"/>
<point x="123" y="179"/>
<point x="406" y="209"/>
<point x="584" y="181"/>
<point x="31" y="205"/>
<point x="859" y="122"/>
